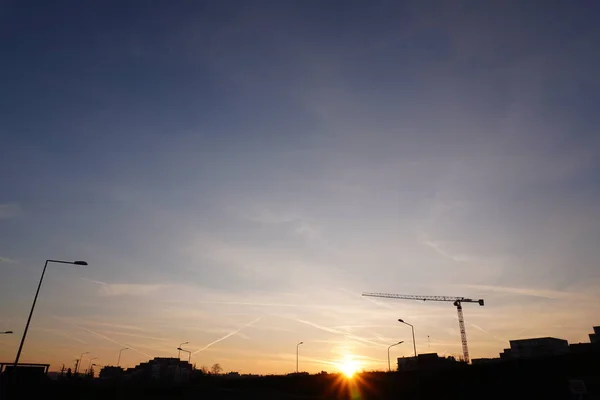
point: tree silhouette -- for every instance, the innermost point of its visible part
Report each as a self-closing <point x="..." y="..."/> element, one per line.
<point x="216" y="369"/>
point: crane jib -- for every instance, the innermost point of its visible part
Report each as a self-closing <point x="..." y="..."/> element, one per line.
<point x="455" y="300"/>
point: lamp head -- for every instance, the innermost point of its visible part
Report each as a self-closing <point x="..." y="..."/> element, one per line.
<point x="80" y="263"/>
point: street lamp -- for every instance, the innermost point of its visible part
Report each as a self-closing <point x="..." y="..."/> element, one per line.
<point x="297" y="346"/>
<point x="395" y="344"/>
<point x="80" y="360"/>
<point x="413" y="334"/>
<point x="90" y="366"/>
<point x="34" y="301"/>
<point x="6" y="333"/>
<point x="189" y="354"/>
<point x="120" y="351"/>
<point x="179" y="353"/>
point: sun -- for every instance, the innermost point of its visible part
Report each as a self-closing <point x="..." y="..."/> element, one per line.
<point x="348" y="367"/>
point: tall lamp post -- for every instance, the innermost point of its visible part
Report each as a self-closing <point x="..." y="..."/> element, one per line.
<point x="413" y="335"/>
<point x="179" y="348"/>
<point x="297" y="353"/>
<point x="90" y="366"/>
<point x="34" y="301"/>
<point x="189" y="354"/>
<point x="395" y="344"/>
<point x="119" y="359"/>
<point x="80" y="360"/>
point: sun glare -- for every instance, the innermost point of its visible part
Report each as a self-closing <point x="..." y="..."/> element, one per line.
<point x="349" y="367"/>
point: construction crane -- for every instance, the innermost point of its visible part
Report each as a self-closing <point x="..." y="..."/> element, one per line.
<point x="457" y="302"/>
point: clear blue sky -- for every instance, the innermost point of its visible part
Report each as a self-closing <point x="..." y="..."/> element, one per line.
<point x="250" y="167"/>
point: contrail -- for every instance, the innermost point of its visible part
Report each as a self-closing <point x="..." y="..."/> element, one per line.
<point x="488" y="333"/>
<point x="332" y="330"/>
<point x="228" y="335"/>
<point x="61" y="333"/>
<point x="113" y="341"/>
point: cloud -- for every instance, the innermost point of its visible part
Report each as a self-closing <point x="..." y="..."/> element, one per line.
<point x="114" y="341"/>
<point x="531" y="292"/>
<point x="265" y="215"/>
<point x="62" y="333"/>
<point x="7" y="260"/>
<point x="488" y="333"/>
<point x="93" y="281"/>
<point x="126" y="289"/>
<point x="294" y="221"/>
<point x="438" y="248"/>
<point x="338" y="332"/>
<point x="10" y="210"/>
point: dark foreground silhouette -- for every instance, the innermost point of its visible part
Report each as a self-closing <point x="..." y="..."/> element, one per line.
<point x="544" y="378"/>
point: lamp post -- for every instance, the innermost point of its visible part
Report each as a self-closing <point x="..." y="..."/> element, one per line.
<point x="6" y="333"/>
<point x="90" y="366"/>
<point x="179" y="348"/>
<point x="189" y="354"/>
<point x="297" y="353"/>
<point x="120" y="351"/>
<point x="80" y="360"/>
<point x="395" y="344"/>
<point x="413" y="335"/>
<point x="34" y="301"/>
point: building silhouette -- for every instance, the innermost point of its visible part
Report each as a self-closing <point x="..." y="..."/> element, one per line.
<point x="163" y="369"/>
<point x="536" y="348"/>
<point x="158" y="369"/>
<point x="595" y="337"/>
<point x="426" y="361"/>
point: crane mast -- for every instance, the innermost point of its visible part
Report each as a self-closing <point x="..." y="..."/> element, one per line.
<point x="457" y="301"/>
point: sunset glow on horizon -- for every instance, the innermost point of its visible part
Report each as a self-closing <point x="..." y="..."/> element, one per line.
<point x="236" y="177"/>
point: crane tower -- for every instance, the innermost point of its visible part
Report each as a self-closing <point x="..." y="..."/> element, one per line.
<point x="457" y="301"/>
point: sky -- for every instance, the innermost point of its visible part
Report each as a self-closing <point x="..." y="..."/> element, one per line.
<point x="237" y="173"/>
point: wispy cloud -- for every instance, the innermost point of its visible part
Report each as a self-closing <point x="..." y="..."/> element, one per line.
<point x="502" y="340"/>
<point x="7" y="260"/>
<point x="62" y="333"/>
<point x="114" y="341"/>
<point x="228" y="335"/>
<point x="97" y="323"/>
<point x="441" y="250"/>
<point x="93" y="281"/>
<point x="130" y="289"/>
<point x="265" y="215"/>
<point x="338" y="332"/>
<point x="295" y="221"/>
<point x="136" y="335"/>
<point x="532" y="292"/>
<point x="126" y="289"/>
<point x="10" y="210"/>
